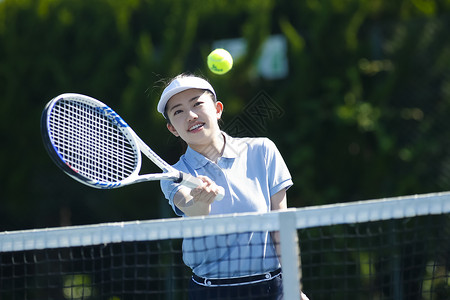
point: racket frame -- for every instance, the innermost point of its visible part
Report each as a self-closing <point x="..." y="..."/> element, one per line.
<point x="169" y="173"/>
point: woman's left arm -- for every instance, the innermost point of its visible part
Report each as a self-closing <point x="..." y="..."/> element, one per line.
<point x="279" y="202"/>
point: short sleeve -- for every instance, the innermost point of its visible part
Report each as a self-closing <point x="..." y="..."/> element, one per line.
<point x="279" y="176"/>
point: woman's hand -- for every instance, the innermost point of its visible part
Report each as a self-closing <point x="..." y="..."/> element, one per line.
<point x="206" y="193"/>
<point x="197" y="202"/>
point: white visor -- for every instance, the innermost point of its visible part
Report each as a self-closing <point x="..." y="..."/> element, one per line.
<point x="182" y="84"/>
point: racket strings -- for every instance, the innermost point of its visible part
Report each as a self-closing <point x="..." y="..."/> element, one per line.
<point x="91" y="143"/>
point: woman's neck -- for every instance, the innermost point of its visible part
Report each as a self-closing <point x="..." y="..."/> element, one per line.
<point x="213" y="150"/>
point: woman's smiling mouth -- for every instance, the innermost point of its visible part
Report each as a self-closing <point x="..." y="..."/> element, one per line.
<point x="196" y="127"/>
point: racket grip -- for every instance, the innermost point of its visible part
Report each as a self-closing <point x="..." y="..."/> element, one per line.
<point x="192" y="182"/>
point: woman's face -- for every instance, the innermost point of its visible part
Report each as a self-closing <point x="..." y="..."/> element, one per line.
<point x="194" y="116"/>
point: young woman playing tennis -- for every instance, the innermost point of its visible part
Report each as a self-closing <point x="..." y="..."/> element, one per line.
<point x="255" y="179"/>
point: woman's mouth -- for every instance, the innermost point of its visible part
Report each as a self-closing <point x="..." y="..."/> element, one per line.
<point x="196" y="127"/>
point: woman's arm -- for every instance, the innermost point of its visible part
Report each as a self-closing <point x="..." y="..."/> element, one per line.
<point x="279" y="202"/>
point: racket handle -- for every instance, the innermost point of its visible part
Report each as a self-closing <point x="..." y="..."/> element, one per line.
<point x="221" y="193"/>
<point x="192" y="182"/>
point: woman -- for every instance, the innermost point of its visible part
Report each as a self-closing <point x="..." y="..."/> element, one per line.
<point x="255" y="179"/>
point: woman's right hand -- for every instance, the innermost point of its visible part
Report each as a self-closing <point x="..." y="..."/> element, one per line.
<point x="197" y="201"/>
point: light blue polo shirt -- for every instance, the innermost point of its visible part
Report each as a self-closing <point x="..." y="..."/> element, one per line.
<point x="250" y="170"/>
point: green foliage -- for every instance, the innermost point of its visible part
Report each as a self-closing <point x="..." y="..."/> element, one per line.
<point x="364" y="105"/>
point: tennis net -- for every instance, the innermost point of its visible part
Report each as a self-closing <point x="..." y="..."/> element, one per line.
<point x="395" y="248"/>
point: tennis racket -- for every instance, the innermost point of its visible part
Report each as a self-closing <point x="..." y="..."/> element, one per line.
<point x="92" y="144"/>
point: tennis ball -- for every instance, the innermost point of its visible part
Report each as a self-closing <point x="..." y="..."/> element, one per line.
<point x="220" y="61"/>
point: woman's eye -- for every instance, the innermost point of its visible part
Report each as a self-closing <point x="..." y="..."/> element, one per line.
<point x="177" y="112"/>
<point x="198" y="103"/>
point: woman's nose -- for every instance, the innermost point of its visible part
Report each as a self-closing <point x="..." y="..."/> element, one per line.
<point x="192" y="115"/>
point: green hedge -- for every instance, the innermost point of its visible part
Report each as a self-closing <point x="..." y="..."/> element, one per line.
<point x="362" y="113"/>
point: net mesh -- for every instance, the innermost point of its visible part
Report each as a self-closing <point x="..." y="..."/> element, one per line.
<point x="391" y="259"/>
<point x="90" y="142"/>
<point x="384" y="249"/>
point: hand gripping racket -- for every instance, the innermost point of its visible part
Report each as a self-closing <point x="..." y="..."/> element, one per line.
<point x="95" y="146"/>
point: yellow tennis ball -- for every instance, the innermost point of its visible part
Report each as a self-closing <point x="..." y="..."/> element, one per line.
<point x="220" y="61"/>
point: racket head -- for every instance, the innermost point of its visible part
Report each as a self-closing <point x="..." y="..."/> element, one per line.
<point x="89" y="141"/>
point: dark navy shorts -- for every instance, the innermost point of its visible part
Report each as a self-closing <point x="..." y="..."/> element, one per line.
<point x="267" y="286"/>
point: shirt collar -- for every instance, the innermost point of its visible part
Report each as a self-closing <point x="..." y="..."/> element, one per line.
<point x="233" y="146"/>
<point x="197" y="160"/>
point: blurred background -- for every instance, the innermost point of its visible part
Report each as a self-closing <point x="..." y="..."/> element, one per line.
<point x="356" y="94"/>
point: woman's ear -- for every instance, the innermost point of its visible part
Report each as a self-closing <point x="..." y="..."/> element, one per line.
<point x="219" y="109"/>
<point x="172" y="130"/>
